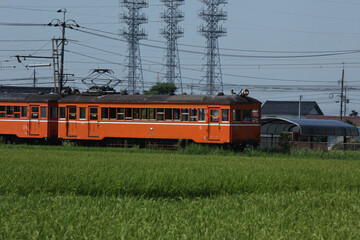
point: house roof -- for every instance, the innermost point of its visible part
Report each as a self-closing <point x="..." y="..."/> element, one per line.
<point x="355" y="120"/>
<point x="290" y="107"/>
<point x="308" y="127"/>
<point x="34" y="90"/>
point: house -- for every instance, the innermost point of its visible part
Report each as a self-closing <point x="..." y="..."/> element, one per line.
<point x="353" y="120"/>
<point x="35" y="90"/>
<point x="290" y="109"/>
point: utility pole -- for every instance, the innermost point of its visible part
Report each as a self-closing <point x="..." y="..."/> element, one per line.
<point x="300" y="106"/>
<point x="342" y="94"/>
<point x="63" y="25"/>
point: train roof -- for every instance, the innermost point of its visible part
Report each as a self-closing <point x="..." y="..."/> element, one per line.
<point x="225" y="99"/>
<point x="28" y="97"/>
<point x="211" y="99"/>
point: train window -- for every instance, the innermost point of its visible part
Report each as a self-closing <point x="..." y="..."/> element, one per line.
<point x="10" y="110"/>
<point x="62" y="112"/>
<point x="120" y="114"/>
<point x="136" y="113"/>
<point x="72" y="113"/>
<point x="214" y="115"/>
<point x="193" y="115"/>
<point x="144" y="114"/>
<point x="93" y="110"/>
<point x="2" y="108"/>
<point x="160" y="114"/>
<point x="128" y="112"/>
<point x="176" y="112"/>
<point x="23" y="111"/>
<point x="17" y="109"/>
<point x="17" y="115"/>
<point x="185" y="114"/>
<point x="104" y="113"/>
<point x="255" y="116"/>
<point x="236" y="115"/>
<point x="2" y="115"/>
<point x="82" y="113"/>
<point x="225" y="115"/>
<point x="246" y="115"/>
<point x="54" y="112"/>
<point x="35" y="112"/>
<point x="168" y="114"/>
<point x="112" y="113"/>
<point x="43" y="112"/>
<point x="152" y="113"/>
<point x="202" y="114"/>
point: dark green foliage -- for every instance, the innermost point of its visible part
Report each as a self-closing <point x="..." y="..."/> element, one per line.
<point x="161" y="89"/>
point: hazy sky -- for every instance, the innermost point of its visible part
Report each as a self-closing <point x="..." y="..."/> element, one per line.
<point x="272" y="47"/>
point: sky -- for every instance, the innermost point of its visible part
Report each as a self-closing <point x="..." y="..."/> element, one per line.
<point x="278" y="49"/>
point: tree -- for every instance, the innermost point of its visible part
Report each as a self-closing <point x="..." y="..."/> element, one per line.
<point x="353" y="113"/>
<point x="161" y="89"/>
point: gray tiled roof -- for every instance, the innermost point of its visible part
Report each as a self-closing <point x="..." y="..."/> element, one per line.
<point x="290" y="107"/>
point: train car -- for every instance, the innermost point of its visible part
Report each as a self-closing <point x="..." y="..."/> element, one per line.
<point x="228" y="119"/>
<point x="28" y="116"/>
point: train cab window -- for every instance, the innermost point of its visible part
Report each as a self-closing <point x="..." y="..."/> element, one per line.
<point x="168" y="114"/>
<point x="214" y="115"/>
<point x="247" y="115"/>
<point x="104" y="113"/>
<point x="2" y="111"/>
<point x="54" y="112"/>
<point x="160" y="114"/>
<point x="128" y="113"/>
<point x="93" y="114"/>
<point x="43" y="112"/>
<point x="112" y="113"/>
<point x="9" y="110"/>
<point x="72" y="113"/>
<point x="255" y="115"/>
<point x="120" y="114"/>
<point x="152" y="113"/>
<point x="62" y="112"/>
<point x="35" y="112"/>
<point x="24" y="112"/>
<point x="236" y="115"/>
<point x="144" y="114"/>
<point x="176" y="112"/>
<point x="185" y="114"/>
<point x="136" y="113"/>
<point x="193" y="115"/>
<point x="82" y="113"/>
<point x="225" y="115"/>
<point x="17" y="112"/>
<point x="202" y="114"/>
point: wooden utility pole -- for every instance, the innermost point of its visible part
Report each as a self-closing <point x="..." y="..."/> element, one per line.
<point x="342" y="94"/>
<point x="63" y="25"/>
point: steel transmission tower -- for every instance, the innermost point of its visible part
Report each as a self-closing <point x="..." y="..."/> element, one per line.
<point x="134" y="34"/>
<point x="212" y="31"/>
<point x="172" y="32"/>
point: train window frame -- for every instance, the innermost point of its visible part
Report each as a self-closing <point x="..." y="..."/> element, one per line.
<point x="128" y="114"/>
<point x="2" y="111"/>
<point x="215" y="115"/>
<point x="202" y="114"/>
<point x="136" y="113"/>
<point x="225" y="115"/>
<point x="152" y="114"/>
<point x="120" y="114"/>
<point x="72" y="113"/>
<point x="53" y="112"/>
<point x="93" y="115"/>
<point x="176" y="114"/>
<point x="112" y="113"/>
<point x="62" y="112"/>
<point x="43" y="112"/>
<point x="255" y="116"/>
<point x="237" y="115"/>
<point x="9" y="110"/>
<point x="16" y="109"/>
<point x="144" y="117"/>
<point x="168" y="114"/>
<point x="246" y="116"/>
<point x="193" y="114"/>
<point x="104" y="113"/>
<point x="185" y="115"/>
<point x="82" y="113"/>
<point x="24" y="112"/>
<point x="160" y="114"/>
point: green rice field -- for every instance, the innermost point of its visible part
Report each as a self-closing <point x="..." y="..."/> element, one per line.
<point x="101" y="193"/>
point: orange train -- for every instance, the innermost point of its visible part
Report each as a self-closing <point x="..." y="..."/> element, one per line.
<point x="229" y="119"/>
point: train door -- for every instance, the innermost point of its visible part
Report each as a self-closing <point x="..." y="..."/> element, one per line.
<point x="34" y="126"/>
<point x="71" y="121"/>
<point x="93" y="121"/>
<point x="214" y="124"/>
